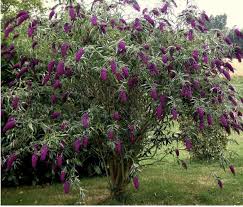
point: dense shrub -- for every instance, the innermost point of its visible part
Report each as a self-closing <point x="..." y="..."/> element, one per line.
<point x="88" y="81"/>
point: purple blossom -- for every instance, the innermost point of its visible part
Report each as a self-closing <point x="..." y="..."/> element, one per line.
<point x="238" y="33"/>
<point x="228" y="40"/>
<point x="149" y="19"/>
<point x="55" y="115"/>
<point x="174" y="113"/>
<point x="7" y="31"/>
<point x="110" y="134"/>
<point x="125" y="72"/>
<point x="201" y="124"/>
<point x="45" y="79"/>
<point x="72" y="13"/>
<point x="220" y="183"/>
<point x="118" y="147"/>
<point x="59" y="160"/>
<point x="136" y="6"/>
<point x="153" y="70"/>
<point x="113" y="66"/>
<point x="22" y="72"/>
<point x="22" y="18"/>
<point x="200" y="112"/>
<point x="210" y="119"/>
<point x="85" y="141"/>
<point x="229" y="66"/>
<point x="60" y="69"/>
<point x="226" y="74"/>
<point x="85" y="120"/>
<point x="64" y="49"/>
<point x="190" y="35"/>
<point x="165" y="8"/>
<point x="188" y="144"/>
<point x="77" y="145"/>
<point x="121" y="47"/>
<point x="136" y="182"/>
<point x="51" y="66"/>
<point x="44" y="151"/>
<point x="52" y="13"/>
<point x="79" y="54"/>
<point x="21" y="13"/>
<point x="186" y="91"/>
<point x="159" y="112"/>
<point x="103" y="27"/>
<point x="133" y="81"/>
<point x="62" y="176"/>
<point x="154" y="93"/>
<point x="66" y="187"/>
<point x="232" y="169"/>
<point x="103" y="74"/>
<point x="15" y="103"/>
<point x="137" y="25"/>
<point x="63" y="125"/>
<point x="94" y="20"/>
<point x="67" y="27"/>
<point x="113" y="23"/>
<point x="123" y="96"/>
<point x="223" y="121"/>
<point x="57" y="84"/>
<point x="116" y="116"/>
<point x="164" y="59"/>
<point x="11" y="160"/>
<point x="34" y="160"/>
<point x="11" y="123"/>
<point x="195" y="55"/>
<point x="205" y="59"/>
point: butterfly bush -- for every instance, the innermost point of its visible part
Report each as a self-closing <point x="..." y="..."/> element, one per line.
<point x="119" y="83"/>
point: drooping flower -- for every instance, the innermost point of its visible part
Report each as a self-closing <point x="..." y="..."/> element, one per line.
<point x="79" y="54"/>
<point x="52" y="13"/>
<point x="72" y="13"/>
<point x="103" y="74"/>
<point x="66" y="187"/>
<point x="149" y="19"/>
<point x="34" y="160"/>
<point x="121" y="47"/>
<point x="229" y="66"/>
<point x="188" y="144"/>
<point x="94" y="20"/>
<point x="136" y="6"/>
<point x="223" y="121"/>
<point x="123" y="96"/>
<point x="232" y="169"/>
<point x="59" y="160"/>
<point x="62" y="176"/>
<point x="77" y="145"/>
<point x="55" y="115"/>
<point x="165" y="8"/>
<point x="174" y="113"/>
<point x="125" y="72"/>
<point x="226" y="74"/>
<point x="154" y="93"/>
<point x="220" y="183"/>
<point x="238" y="33"/>
<point x="22" y="18"/>
<point x="44" y="151"/>
<point x="85" y="141"/>
<point x="11" y="123"/>
<point x="85" y="120"/>
<point x="136" y="182"/>
<point x="228" y="40"/>
<point x="118" y="147"/>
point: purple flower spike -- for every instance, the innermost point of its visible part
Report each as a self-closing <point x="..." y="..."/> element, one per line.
<point x="94" y="20"/>
<point x="59" y="160"/>
<point x="60" y="69"/>
<point x="103" y="74"/>
<point x="110" y="134"/>
<point x="55" y="115"/>
<point x="136" y="182"/>
<point x="220" y="183"/>
<point x="232" y="169"/>
<point x="52" y="13"/>
<point x="149" y="19"/>
<point x="44" y="151"/>
<point x="159" y="112"/>
<point x="64" y="49"/>
<point x="174" y="113"/>
<point x="85" y="141"/>
<point x="164" y="59"/>
<point x="45" y="79"/>
<point x="11" y="123"/>
<point x="154" y="93"/>
<point x="66" y="187"/>
<point x="228" y="40"/>
<point x="125" y="72"/>
<point x="85" y="120"/>
<point x="67" y="27"/>
<point x="190" y="35"/>
<point x="72" y="13"/>
<point x="15" y="103"/>
<point x="118" y="147"/>
<point x="165" y="8"/>
<point x="51" y="66"/>
<point x="238" y="33"/>
<point x="11" y="160"/>
<point x="79" y="54"/>
<point x="123" y="96"/>
<point x="57" y="84"/>
<point x="34" y="160"/>
<point x="116" y="116"/>
<point x="210" y="119"/>
<point x="136" y="6"/>
<point x="62" y="176"/>
<point x="188" y="144"/>
<point x="113" y="66"/>
<point x="77" y="145"/>
<point x="121" y="47"/>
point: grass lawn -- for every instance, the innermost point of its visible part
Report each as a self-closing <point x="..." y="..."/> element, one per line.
<point x="166" y="183"/>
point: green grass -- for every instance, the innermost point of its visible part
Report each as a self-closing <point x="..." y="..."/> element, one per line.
<point x="166" y="183"/>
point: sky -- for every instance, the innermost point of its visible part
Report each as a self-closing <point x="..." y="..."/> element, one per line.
<point x="233" y="8"/>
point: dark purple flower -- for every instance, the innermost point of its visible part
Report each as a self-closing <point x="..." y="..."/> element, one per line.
<point x="228" y="40"/>
<point x="85" y="120"/>
<point x="94" y="20"/>
<point x="118" y="147"/>
<point x="66" y="187"/>
<point x="195" y="55"/>
<point x="232" y="169"/>
<point x="229" y="66"/>
<point x="116" y="116"/>
<point x="52" y="13"/>
<point x="55" y="115"/>
<point x="238" y="33"/>
<point x="153" y="70"/>
<point x="15" y="103"/>
<point x="51" y="66"/>
<point x="154" y="94"/>
<point x="205" y="59"/>
<point x="186" y="91"/>
<point x="11" y="123"/>
<point x="22" y="18"/>
<point x="72" y="13"/>
<point x="67" y="27"/>
<point x="135" y="182"/>
<point x="226" y="74"/>
<point x="77" y="145"/>
<point x="64" y="49"/>
<point x="188" y="144"/>
<point x="190" y="35"/>
<point x="137" y="25"/>
<point x="21" y="13"/>
<point x="34" y="160"/>
<point x="164" y="8"/>
<point x="220" y="183"/>
<point x="110" y="134"/>
<point x="223" y="121"/>
<point x="164" y="59"/>
<point x="200" y="112"/>
<point x="11" y="160"/>
<point x="62" y="176"/>
<point x="121" y="47"/>
<point x="123" y="96"/>
<point x="57" y="84"/>
<point x="136" y="6"/>
<point x="60" y="69"/>
<point x="103" y="27"/>
<point x="125" y="72"/>
<point x="177" y="152"/>
<point x="85" y="141"/>
<point x="113" y="66"/>
<point x="149" y="19"/>
<point x="103" y="74"/>
<point x="174" y="113"/>
<point x="59" y="160"/>
<point x="22" y="72"/>
<point x="30" y="31"/>
<point x="159" y="112"/>
<point x="45" y="79"/>
<point x="44" y="151"/>
<point x="79" y="54"/>
<point x="210" y="119"/>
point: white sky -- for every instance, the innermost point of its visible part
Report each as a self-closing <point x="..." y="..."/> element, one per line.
<point x="233" y="8"/>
